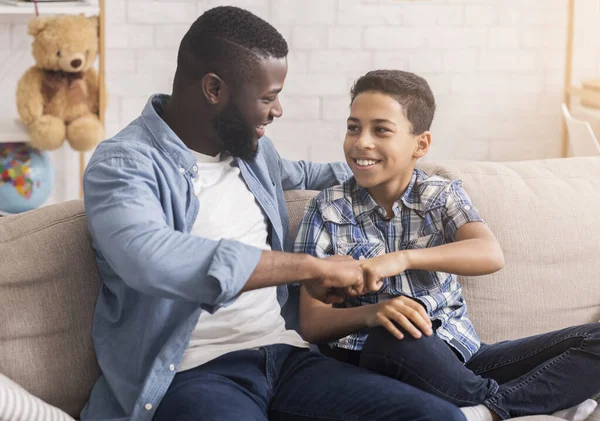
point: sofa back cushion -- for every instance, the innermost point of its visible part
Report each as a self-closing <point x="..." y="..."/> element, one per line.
<point x="546" y="216"/>
<point x="48" y="288"/>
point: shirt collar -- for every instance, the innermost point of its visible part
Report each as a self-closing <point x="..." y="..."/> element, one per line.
<point x="162" y="135"/>
<point x="363" y="203"/>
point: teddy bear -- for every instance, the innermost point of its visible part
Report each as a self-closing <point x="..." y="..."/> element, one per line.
<point x="57" y="98"/>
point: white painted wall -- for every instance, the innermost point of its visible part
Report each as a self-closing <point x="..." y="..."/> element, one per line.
<point x="496" y="68"/>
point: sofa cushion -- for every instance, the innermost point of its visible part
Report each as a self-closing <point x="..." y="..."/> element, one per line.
<point x="48" y="288"/>
<point x="546" y="216"/>
<point x="17" y="404"/>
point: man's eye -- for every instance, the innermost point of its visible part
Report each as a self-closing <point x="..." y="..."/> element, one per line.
<point x="268" y="100"/>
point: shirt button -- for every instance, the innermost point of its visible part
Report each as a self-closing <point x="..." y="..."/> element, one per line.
<point x="361" y="257"/>
<point x="181" y="170"/>
<point x="172" y="367"/>
<point x="148" y="407"/>
<point x="195" y="168"/>
<point x="467" y="207"/>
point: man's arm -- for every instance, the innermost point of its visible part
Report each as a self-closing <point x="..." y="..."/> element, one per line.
<point x="130" y="231"/>
<point x="304" y="175"/>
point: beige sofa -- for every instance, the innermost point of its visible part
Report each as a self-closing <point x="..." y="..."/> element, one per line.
<point x="546" y="215"/>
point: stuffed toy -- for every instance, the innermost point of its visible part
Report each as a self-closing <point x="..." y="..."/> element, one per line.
<point x="58" y="97"/>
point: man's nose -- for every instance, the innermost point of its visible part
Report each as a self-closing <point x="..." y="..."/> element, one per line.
<point x="277" y="110"/>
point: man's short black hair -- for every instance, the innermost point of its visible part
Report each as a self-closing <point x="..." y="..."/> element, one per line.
<point x="228" y="41"/>
<point x="411" y="91"/>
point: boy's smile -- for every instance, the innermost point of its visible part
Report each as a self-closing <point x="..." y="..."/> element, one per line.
<point x="380" y="147"/>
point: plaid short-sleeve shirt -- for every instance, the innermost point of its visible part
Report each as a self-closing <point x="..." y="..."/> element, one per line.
<point x="345" y="220"/>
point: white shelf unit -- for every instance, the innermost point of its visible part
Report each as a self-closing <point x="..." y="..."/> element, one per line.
<point x="12" y="130"/>
<point x="51" y="8"/>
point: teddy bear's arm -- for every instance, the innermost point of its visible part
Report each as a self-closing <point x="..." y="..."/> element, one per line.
<point x="30" y="101"/>
<point x="91" y="79"/>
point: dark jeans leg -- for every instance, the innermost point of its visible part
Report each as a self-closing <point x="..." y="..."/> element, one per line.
<point x="312" y="386"/>
<point x="231" y="388"/>
<point x="544" y="373"/>
<point x="535" y="375"/>
<point x="427" y="363"/>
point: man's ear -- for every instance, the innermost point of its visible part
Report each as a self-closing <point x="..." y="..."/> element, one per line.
<point x="423" y="144"/>
<point x="213" y="89"/>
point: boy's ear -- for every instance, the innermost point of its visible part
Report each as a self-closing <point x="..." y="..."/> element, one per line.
<point x="423" y="143"/>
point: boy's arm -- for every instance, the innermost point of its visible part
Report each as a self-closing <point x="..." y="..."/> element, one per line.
<point x="321" y="322"/>
<point x="471" y="248"/>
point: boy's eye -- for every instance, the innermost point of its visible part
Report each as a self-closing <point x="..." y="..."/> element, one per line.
<point x="353" y="128"/>
<point x="381" y="130"/>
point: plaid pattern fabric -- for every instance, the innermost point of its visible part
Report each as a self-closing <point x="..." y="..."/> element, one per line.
<point x="345" y="220"/>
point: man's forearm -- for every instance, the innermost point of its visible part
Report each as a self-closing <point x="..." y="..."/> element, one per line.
<point x="277" y="268"/>
<point x="472" y="257"/>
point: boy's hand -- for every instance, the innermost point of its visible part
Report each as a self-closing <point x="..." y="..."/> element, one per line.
<point x="377" y="268"/>
<point x="404" y="311"/>
<point x="338" y="277"/>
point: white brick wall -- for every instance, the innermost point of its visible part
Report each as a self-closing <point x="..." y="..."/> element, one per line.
<point x="496" y="68"/>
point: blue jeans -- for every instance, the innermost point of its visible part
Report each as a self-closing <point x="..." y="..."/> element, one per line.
<point x="280" y="382"/>
<point x="536" y="375"/>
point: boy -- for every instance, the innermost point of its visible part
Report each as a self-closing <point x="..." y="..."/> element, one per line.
<point x="415" y="233"/>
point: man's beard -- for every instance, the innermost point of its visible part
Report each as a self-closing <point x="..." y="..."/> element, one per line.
<point x="234" y="134"/>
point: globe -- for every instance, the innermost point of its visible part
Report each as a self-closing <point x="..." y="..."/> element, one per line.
<point x="26" y="177"/>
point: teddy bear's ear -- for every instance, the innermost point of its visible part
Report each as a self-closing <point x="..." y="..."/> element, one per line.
<point x="37" y="25"/>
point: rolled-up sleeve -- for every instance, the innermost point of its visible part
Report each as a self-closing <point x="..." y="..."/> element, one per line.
<point x="130" y="232"/>
<point x="458" y="210"/>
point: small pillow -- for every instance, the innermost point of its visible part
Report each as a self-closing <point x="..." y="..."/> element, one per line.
<point x="17" y="404"/>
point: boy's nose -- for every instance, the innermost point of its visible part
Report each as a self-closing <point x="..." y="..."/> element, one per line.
<point x="364" y="141"/>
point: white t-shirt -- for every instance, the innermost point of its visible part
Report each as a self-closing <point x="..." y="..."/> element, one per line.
<point x="229" y="210"/>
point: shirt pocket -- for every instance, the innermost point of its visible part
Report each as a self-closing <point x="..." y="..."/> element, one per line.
<point x="362" y="250"/>
<point x="421" y="241"/>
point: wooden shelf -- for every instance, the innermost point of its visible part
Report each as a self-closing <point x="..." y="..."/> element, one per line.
<point x="12" y="130"/>
<point x="85" y="7"/>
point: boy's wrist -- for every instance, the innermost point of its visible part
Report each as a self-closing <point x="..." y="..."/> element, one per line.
<point x="408" y="257"/>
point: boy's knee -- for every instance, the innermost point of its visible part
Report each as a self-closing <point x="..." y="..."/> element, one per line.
<point x="381" y="339"/>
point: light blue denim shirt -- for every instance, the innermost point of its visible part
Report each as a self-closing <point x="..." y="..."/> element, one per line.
<point x="157" y="277"/>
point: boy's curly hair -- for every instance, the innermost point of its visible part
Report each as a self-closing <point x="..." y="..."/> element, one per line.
<point x="411" y="91"/>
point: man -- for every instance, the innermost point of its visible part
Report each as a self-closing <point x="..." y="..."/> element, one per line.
<point x="188" y="220"/>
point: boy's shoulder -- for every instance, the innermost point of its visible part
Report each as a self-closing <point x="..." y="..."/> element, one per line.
<point x="428" y="192"/>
